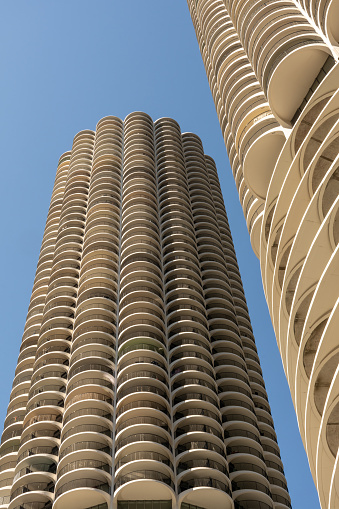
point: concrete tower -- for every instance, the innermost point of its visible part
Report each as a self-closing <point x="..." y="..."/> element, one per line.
<point x="273" y="71"/>
<point x="138" y="384"/>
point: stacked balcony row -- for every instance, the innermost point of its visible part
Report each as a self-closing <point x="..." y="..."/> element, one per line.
<point x="299" y="270"/>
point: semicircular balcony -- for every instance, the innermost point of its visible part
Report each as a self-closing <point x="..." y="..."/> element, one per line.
<point x="102" y="200"/>
<point x="193" y="461"/>
<point x="179" y="250"/>
<point x="44" y="447"/>
<point x="241" y="466"/>
<point x="200" y="440"/>
<point x="138" y="484"/>
<point x="92" y="383"/>
<point x="189" y="374"/>
<point x="260" y="142"/>
<point x="107" y="153"/>
<point x="189" y="363"/>
<point x="86" y="444"/>
<point x="143" y="457"/>
<point x="238" y="450"/>
<point x="141" y="333"/>
<point x="98" y="322"/>
<point x="187" y="353"/>
<point x="34" y="470"/>
<point x="290" y="73"/>
<point x="197" y="423"/>
<point x="242" y="433"/>
<point x="136" y="349"/>
<point x="52" y="385"/>
<point x="54" y="399"/>
<point x="8" y="453"/>
<point x="42" y="421"/>
<point x="142" y="437"/>
<point x="209" y="488"/>
<point x="92" y="394"/>
<point x="88" y="410"/>
<point x="58" y="353"/>
<point x="250" y="489"/>
<point x="104" y="230"/>
<point x="151" y="405"/>
<point x="142" y="388"/>
<point x="147" y="414"/>
<point x="83" y="488"/>
<point x="7" y="466"/>
<point x="225" y="343"/>
<point x="49" y="425"/>
<point x="40" y="494"/>
<point x="328" y="16"/>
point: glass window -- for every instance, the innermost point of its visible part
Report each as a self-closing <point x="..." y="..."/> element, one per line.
<point x="147" y="504"/>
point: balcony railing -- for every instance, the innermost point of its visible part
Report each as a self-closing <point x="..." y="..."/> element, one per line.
<point x="86" y="463"/>
<point x="142" y="404"/>
<point x="143" y="455"/>
<point x="80" y="446"/>
<point x="144" y="474"/>
<point x="143" y="437"/>
<point x="197" y="444"/>
<point x="250" y="485"/>
<point x="197" y="463"/>
<point x="83" y="483"/>
<point x="33" y="486"/>
<point x="204" y="482"/>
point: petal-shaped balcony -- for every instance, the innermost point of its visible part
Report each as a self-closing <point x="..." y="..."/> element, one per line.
<point x="291" y="75"/>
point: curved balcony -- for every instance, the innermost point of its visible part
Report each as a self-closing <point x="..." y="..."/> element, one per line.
<point x="51" y="451"/>
<point x="140" y="348"/>
<point x="97" y="394"/>
<point x="89" y="490"/>
<point x="208" y="463"/>
<point x="195" y="443"/>
<point x="250" y="503"/>
<point x="264" y="147"/>
<point x="143" y="455"/>
<point x="96" y="447"/>
<point x="40" y="429"/>
<point x="251" y="486"/>
<point x="138" y="484"/>
<point x="85" y="424"/>
<point x="291" y="75"/>
<point x="143" y="386"/>
<point x="206" y="491"/>
<point x="246" y="466"/>
<point x="33" y="495"/>
<point x="205" y="427"/>
<point x="144" y="474"/>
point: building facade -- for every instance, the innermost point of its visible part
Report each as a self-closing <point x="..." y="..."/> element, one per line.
<point x="138" y="384"/>
<point x="273" y="71"/>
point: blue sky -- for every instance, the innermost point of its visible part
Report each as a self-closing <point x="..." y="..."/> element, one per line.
<point x="64" y="64"/>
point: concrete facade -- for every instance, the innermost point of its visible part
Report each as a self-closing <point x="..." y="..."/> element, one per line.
<point x="273" y="72"/>
<point x="138" y="384"/>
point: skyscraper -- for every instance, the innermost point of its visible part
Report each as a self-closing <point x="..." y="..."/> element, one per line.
<point x="138" y="384"/>
<point x="273" y="72"/>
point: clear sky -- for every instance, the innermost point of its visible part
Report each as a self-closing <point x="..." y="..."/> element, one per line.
<point x="64" y="64"/>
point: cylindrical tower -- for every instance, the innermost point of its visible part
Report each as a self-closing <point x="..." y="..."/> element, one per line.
<point x="273" y="71"/>
<point x="140" y="381"/>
